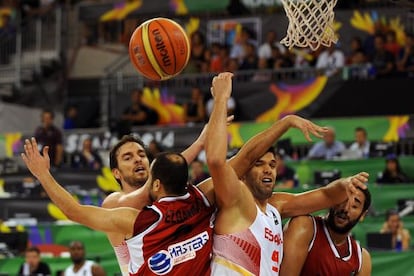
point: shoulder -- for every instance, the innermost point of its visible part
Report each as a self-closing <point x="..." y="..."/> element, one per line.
<point x="303" y="221"/>
<point x="112" y="200"/>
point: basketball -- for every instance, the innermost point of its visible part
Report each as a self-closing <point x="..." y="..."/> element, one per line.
<point x="159" y="49"/>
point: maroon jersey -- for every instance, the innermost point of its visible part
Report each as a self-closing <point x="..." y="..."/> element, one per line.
<point x="173" y="236"/>
<point x="324" y="258"/>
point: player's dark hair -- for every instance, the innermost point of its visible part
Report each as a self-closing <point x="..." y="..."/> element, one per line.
<point x="172" y="171"/>
<point x="367" y="201"/>
<point x="33" y="249"/>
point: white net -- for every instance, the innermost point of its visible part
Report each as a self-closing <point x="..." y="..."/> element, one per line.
<point x="311" y="23"/>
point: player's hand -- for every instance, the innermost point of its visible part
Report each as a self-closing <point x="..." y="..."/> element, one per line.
<point x="35" y="162"/>
<point x="352" y="184"/>
<point x="222" y="86"/>
<point x="306" y="126"/>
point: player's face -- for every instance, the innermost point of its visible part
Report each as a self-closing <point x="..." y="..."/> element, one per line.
<point x="133" y="164"/>
<point x="32" y="258"/>
<point x="261" y="177"/>
<point x="77" y="253"/>
<point x="341" y="220"/>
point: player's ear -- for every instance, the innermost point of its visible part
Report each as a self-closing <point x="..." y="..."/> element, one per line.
<point x="116" y="173"/>
<point x="156" y="185"/>
<point x="361" y="219"/>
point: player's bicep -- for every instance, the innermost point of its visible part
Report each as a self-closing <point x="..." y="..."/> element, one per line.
<point x="119" y="220"/>
<point x="366" y="267"/>
<point x="226" y="185"/>
<point x="297" y="237"/>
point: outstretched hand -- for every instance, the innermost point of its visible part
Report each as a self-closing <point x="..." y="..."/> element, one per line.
<point x="221" y="85"/>
<point x="353" y="183"/>
<point x="307" y="127"/>
<point x="35" y="162"/>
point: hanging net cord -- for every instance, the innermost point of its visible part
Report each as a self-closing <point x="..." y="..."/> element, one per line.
<point x="310" y="23"/>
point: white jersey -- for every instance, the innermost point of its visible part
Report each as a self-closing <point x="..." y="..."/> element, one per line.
<point x="256" y="251"/>
<point x="122" y="255"/>
<point x="86" y="270"/>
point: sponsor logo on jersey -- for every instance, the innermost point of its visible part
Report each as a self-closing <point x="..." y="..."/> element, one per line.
<point x="163" y="261"/>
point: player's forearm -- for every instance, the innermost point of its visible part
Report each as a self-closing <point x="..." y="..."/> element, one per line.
<point x="62" y="198"/>
<point x="192" y="151"/>
<point x="216" y="136"/>
<point x="258" y="145"/>
<point x="334" y="193"/>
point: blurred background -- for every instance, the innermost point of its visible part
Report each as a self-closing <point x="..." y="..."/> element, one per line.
<point x="66" y="64"/>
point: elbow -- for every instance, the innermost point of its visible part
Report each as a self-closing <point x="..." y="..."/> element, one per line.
<point x="215" y="162"/>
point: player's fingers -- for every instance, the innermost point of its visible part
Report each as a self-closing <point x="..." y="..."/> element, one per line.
<point x="230" y="119"/>
<point x="306" y="134"/>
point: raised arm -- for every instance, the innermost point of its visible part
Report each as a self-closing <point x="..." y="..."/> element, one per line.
<point x="297" y="236"/>
<point x="137" y="199"/>
<point x="196" y="147"/>
<point x="260" y="143"/>
<point x="226" y="183"/>
<point x="116" y="220"/>
<point x="290" y="205"/>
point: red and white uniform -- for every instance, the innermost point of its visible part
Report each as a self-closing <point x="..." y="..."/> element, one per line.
<point x="324" y="258"/>
<point x="122" y="255"/>
<point x="256" y="251"/>
<point x="173" y="236"/>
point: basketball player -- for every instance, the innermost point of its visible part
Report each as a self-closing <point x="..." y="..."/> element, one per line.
<point x="131" y="171"/>
<point x="81" y="266"/>
<point x="173" y="235"/>
<point x="323" y="245"/>
<point x="248" y="236"/>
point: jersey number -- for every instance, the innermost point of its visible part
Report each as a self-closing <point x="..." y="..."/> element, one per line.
<point x="275" y="258"/>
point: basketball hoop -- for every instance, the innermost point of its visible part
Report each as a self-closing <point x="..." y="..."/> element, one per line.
<point x="310" y="23"/>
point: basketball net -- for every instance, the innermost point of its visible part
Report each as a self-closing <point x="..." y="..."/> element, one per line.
<point x="311" y="23"/>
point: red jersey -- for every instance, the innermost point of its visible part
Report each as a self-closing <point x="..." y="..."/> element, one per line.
<point x="324" y="258"/>
<point x="173" y="236"/>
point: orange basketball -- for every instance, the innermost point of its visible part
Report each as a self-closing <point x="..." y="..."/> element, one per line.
<point x="159" y="48"/>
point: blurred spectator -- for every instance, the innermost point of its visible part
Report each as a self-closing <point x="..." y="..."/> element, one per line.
<point x="327" y="149"/>
<point x="231" y="106"/>
<point x="197" y="172"/>
<point x="33" y="265"/>
<point x="198" y="47"/>
<point x="194" y="110"/>
<point x="331" y="60"/>
<point x="392" y="172"/>
<point x="154" y="148"/>
<point x="47" y="134"/>
<point x="238" y="50"/>
<point x="249" y="61"/>
<point x="405" y="60"/>
<point x="8" y="38"/>
<point x="401" y="237"/>
<point x="87" y="158"/>
<point x="80" y="265"/>
<point x="232" y="65"/>
<point x="137" y="114"/>
<point x="285" y="177"/>
<point x="391" y="43"/>
<point x="357" y="54"/>
<point x="70" y="118"/>
<point x="264" y="52"/>
<point x="361" y="144"/>
<point x="219" y="57"/>
<point x="383" y="61"/>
